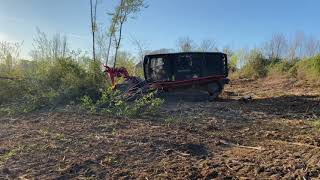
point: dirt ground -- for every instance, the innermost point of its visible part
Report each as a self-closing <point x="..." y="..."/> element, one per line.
<point x="270" y="137"/>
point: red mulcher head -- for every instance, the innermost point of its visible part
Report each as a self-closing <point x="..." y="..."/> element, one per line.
<point x="116" y="73"/>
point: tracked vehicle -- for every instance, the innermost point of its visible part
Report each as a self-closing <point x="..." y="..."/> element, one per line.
<point x="206" y="71"/>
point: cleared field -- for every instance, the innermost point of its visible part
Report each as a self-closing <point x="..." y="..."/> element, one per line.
<point x="275" y="135"/>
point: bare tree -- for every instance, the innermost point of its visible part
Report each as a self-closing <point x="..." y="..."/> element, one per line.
<point x="208" y="45"/>
<point x="59" y="46"/>
<point x="142" y="51"/>
<point x="186" y="44"/>
<point x="49" y="49"/>
<point x="9" y="49"/>
<point x="140" y="47"/>
<point x="227" y="51"/>
<point x="93" y="12"/>
<point x="300" y="41"/>
<point x="295" y="48"/>
<point x="126" y="9"/>
<point x="277" y="46"/>
<point x="303" y="46"/>
<point x="312" y="46"/>
<point x="9" y="55"/>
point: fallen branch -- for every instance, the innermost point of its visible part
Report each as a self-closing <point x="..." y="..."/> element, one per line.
<point x="240" y="146"/>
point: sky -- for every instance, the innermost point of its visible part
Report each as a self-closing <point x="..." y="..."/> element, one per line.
<point x="232" y="23"/>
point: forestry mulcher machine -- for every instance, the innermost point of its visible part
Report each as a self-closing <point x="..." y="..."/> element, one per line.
<point x="206" y="71"/>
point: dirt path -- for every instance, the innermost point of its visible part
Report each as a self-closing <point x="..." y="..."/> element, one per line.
<point x="270" y="137"/>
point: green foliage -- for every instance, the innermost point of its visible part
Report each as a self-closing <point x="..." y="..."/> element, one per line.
<point x="308" y="69"/>
<point x="126" y="60"/>
<point x="316" y="124"/>
<point x="113" y="103"/>
<point x="139" y="72"/>
<point x="87" y="103"/>
<point x="255" y="67"/>
<point x="258" y="67"/>
<point x="281" y="68"/>
<point x="233" y="61"/>
<point x="48" y="84"/>
<point x="126" y="8"/>
<point x="129" y="62"/>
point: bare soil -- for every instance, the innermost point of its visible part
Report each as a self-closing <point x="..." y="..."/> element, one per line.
<point x="269" y="137"/>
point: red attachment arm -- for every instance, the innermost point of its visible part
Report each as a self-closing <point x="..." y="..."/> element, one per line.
<point x="116" y="73"/>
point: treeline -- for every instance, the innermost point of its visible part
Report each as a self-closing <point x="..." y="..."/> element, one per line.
<point x="297" y="57"/>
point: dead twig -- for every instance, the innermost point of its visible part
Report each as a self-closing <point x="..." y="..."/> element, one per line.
<point x="240" y="146"/>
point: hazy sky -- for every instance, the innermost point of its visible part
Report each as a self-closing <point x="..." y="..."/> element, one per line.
<point x="236" y="23"/>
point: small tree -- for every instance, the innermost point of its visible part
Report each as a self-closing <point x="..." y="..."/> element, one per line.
<point x="126" y="9"/>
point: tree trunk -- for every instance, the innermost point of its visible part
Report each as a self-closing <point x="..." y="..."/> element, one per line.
<point x="93" y="47"/>
<point x="118" y="45"/>
<point x="109" y="47"/>
<point x="93" y="17"/>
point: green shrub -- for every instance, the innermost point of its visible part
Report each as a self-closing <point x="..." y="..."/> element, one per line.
<point x="308" y="69"/>
<point x="256" y="66"/>
<point x="281" y="68"/>
<point x="232" y="63"/>
<point x="50" y="83"/>
<point x="113" y="103"/>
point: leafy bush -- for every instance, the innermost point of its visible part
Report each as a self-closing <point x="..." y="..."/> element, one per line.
<point x="48" y="84"/>
<point x="308" y="69"/>
<point x="113" y="103"/>
<point x="233" y="63"/>
<point x="280" y="68"/>
<point x="256" y="66"/>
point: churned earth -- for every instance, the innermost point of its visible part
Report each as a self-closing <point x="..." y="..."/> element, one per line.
<point x="273" y="135"/>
